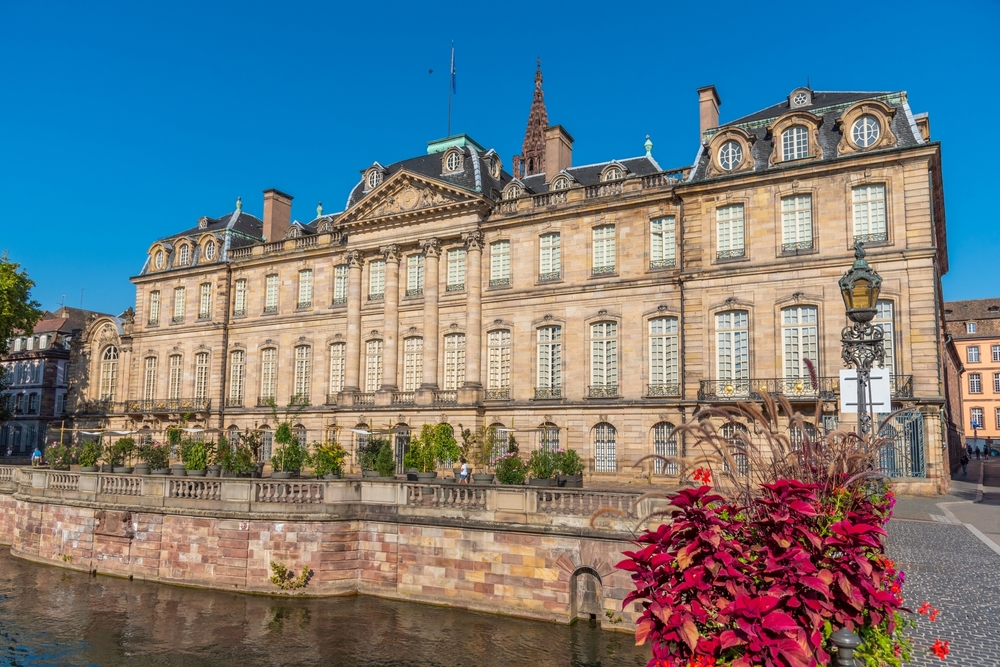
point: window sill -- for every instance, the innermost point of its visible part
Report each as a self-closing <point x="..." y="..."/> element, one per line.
<point x="339" y="304"/>
<point x="598" y="276"/>
<point x="795" y="252"/>
<point x="270" y="312"/>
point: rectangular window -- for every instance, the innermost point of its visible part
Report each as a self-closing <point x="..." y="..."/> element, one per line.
<point x="373" y="365"/>
<point x="977" y="417"/>
<point x="972" y="352"/>
<point x="271" y="294"/>
<point x="205" y="301"/>
<point x="454" y="361"/>
<point x="729" y="225"/>
<point x="800" y="338"/>
<point x="869" y="214"/>
<point x="604" y="354"/>
<point x="996" y="383"/>
<point x="414" y="275"/>
<point x="179" y="304"/>
<point x="154" y="307"/>
<point x="604" y="250"/>
<point x="549" y="260"/>
<point x="237" y="376"/>
<point x="268" y="372"/>
<point x="995" y="351"/>
<point x="970" y="327"/>
<point x="456" y="270"/>
<point x="998" y="417"/>
<point x="201" y="376"/>
<point x="663" y="366"/>
<point x="303" y="373"/>
<point x="413" y="363"/>
<point x="500" y="264"/>
<point x="60" y="404"/>
<point x="498" y="343"/>
<point x="733" y="351"/>
<point x="305" y="288"/>
<point x="796" y="223"/>
<point x="376" y="280"/>
<point x="550" y="361"/>
<point x="174" y="386"/>
<point x="149" y="380"/>
<point x="240" y="300"/>
<point x="662" y="243"/>
<point x="340" y="284"/>
<point x="975" y="383"/>
<point x="884" y="321"/>
<point x="338" y="357"/>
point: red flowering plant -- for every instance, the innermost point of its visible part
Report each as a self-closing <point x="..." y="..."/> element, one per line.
<point x="760" y="570"/>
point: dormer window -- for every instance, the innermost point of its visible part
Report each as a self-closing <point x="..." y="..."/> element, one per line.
<point x="612" y="174"/>
<point x="970" y="327"/>
<point x="560" y="183"/>
<point x="512" y="192"/>
<point x="795" y="143"/>
<point x="373" y="178"/>
<point x="158" y="259"/>
<point x="865" y="131"/>
<point x="452" y="161"/>
<point x="730" y="155"/>
<point x="495" y="167"/>
<point x="202" y="222"/>
<point x="210" y="249"/>
<point x="800" y="98"/>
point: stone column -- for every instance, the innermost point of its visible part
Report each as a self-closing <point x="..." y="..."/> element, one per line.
<point x="473" y="317"/>
<point x="432" y="253"/>
<point x="353" y="348"/>
<point x="390" y="335"/>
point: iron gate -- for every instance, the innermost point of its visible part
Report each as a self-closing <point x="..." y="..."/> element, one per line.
<point x="903" y="453"/>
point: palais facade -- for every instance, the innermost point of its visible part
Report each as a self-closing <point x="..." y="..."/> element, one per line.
<point x="593" y="307"/>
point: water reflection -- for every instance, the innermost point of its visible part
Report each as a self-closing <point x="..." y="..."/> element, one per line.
<point x="50" y="616"/>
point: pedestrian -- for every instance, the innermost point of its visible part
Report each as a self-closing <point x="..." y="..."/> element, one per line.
<point x="968" y="449"/>
<point x="463" y="477"/>
<point x="36" y="457"/>
<point x="977" y="452"/>
<point x="965" y="464"/>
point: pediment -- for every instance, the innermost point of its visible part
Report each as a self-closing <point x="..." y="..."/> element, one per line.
<point x="407" y="195"/>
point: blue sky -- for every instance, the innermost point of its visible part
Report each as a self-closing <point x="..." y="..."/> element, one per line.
<point x="124" y="122"/>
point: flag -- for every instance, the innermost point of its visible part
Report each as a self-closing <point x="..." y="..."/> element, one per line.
<point x="454" y="89"/>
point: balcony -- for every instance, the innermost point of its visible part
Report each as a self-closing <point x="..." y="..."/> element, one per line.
<point x="544" y="393"/>
<point x="792" y="248"/>
<point x="377" y="297"/>
<point x="455" y="287"/>
<point x="549" y="277"/>
<point x="364" y="398"/>
<point x="270" y="310"/>
<point x="445" y="398"/>
<point x="501" y="394"/>
<point x="603" y="391"/>
<point x="419" y="291"/>
<point x="331" y="399"/>
<point x="826" y="388"/>
<point x="738" y="253"/>
<point x="303" y="305"/>
<point x="103" y="406"/>
<point x="866" y="239"/>
<point x="403" y="398"/>
<point x="662" y="264"/>
<point x="169" y="406"/>
<point x="340" y="300"/>
<point x="500" y="282"/>
<point x="667" y="389"/>
<point x="604" y="189"/>
<point x="602" y="270"/>
<point x="234" y="402"/>
<point x="265" y="401"/>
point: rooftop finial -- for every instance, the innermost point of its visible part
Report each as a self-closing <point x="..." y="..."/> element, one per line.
<point x="648" y="146"/>
<point x="538" y="74"/>
<point x="239" y="203"/>
<point x="319" y="210"/>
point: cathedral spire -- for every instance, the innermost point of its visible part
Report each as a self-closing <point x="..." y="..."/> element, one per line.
<point x="532" y="157"/>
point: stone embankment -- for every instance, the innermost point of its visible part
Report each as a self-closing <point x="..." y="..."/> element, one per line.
<point x="524" y="551"/>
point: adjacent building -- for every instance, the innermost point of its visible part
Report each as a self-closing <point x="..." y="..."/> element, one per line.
<point x="974" y="331"/>
<point x="588" y="306"/>
<point x="37" y="380"/>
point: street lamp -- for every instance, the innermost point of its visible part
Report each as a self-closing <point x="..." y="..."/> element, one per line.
<point x="862" y="341"/>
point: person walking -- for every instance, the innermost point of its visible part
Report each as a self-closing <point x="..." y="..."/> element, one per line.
<point x="36" y="457"/>
<point x="977" y="452"/>
<point x="965" y="464"/>
<point x="463" y="476"/>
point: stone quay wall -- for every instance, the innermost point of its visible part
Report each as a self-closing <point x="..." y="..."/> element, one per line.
<point x="521" y="551"/>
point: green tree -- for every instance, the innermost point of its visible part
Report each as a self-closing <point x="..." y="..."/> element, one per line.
<point x="18" y="312"/>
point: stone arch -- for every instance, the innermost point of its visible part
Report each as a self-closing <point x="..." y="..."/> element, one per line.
<point x="586" y="588"/>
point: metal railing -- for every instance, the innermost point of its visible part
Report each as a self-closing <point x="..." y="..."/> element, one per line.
<point x="881" y="237"/>
<point x="377" y="297"/>
<point x="731" y="254"/>
<point x="548" y="392"/>
<point x="456" y="287"/>
<point x="662" y="263"/>
<point x="412" y="292"/>
<point x="502" y="394"/>
<point x="265" y="401"/>
<point x="665" y="389"/>
<point x="547" y="277"/>
<point x="98" y="407"/>
<point x="603" y="391"/>
<point x="500" y="282"/>
<point x="826" y="388"/>
<point x="331" y="399"/>
<point x="795" y="247"/>
<point x="167" y="405"/>
<point x="233" y="402"/>
<point x="602" y="270"/>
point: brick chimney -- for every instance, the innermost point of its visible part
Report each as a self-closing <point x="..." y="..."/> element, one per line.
<point x="277" y="214"/>
<point x="708" y="108"/>
<point x="558" y="151"/>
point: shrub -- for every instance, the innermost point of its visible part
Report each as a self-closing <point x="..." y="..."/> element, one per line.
<point x="329" y="458"/>
<point x="236" y="458"/>
<point x="119" y="453"/>
<point x="542" y="464"/>
<point x="196" y="456"/>
<point x="569" y="462"/>
<point x="367" y="452"/>
<point x="510" y="469"/>
<point x="59" y="455"/>
<point x="290" y="457"/>
<point x="385" y="462"/>
<point x="90" y="452"/>
<point x="436" y="445"/>
<point x="154" y="454"/>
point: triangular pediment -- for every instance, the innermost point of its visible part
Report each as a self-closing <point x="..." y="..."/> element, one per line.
<point x="405" y="195"/>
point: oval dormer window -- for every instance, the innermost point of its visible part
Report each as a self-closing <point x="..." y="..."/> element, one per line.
<point x="800" y="99"/>
<point x="373" y="179"/>
<point x="730" y="155"/>
<point x="210" y="250"/>
<point x="865" y="131"/>
<point x="453" y="161"/>
<point x="158" y="259"/>
<point x="495" y="167"/>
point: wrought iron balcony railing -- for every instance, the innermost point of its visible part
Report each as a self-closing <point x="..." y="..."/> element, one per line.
<point x="548" y="392"/>
<point x="826" y="388"/>
<point x="169" y="405"/>
<point x="418" y="291"/>
<point x="377" y="297"/>
<point x="550" y="276"/>
<point x="880" y="237"/>
<point x="500" y="282"/>
<point x="234" y="402"/>
<point x="602" y="270"/>
<point x="662" y="263"/>
<point x="663" y="389"/>
<point x="265" y="401"/>
<point x="731" y="254"/>
<point x="331" y="399"/>
<point x="456" y="287"/>
<point x="501" y="394"/>
<point x="603" y="391"/>
<point x="97" y="407"/>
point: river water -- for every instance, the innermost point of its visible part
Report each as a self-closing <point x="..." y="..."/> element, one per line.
<point x="51" y="616"/>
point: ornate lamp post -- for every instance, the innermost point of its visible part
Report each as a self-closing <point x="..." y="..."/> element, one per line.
<point x="862" y="341"/>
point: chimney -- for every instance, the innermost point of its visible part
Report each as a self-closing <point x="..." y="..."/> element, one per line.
<point x="277" y="214"/>
<point x="558" y="151"/>
<point x="708" y="108"/>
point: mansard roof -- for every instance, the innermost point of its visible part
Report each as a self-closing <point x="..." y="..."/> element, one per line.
<point x="474" y="175"/>
<point x="248" y="228"/>
<point x="821" y="99"/>
<point x="590" y="174"/>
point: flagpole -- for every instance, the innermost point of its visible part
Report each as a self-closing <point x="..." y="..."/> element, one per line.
<point x="451" y="85"/>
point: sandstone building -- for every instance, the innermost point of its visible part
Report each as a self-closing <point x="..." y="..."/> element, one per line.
<point x="593" y="307"/>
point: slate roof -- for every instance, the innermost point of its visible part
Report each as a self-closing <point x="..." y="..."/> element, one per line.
<point x="474" y="175"/>
<point x="826" y="105"/>
<point x="238" y="221"/>
<point x="590" y="174"/>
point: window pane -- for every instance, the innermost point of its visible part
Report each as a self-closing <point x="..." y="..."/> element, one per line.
<point x="500" y="260"/>
<point x="340" y="284"/>
<point x="869" y="210"/>
<point x="268" y="372"/>
<point x="604" y="248"/>
<point x="732" y="352"/>
<point x="800" y="339"/>
<point x="796" y="221"/>
<point x="376" y="278"/>
<point x="373" y="365"/>
<point x="730" y="230"/>
<point x="271" y="294"/>
<point x="454" y="361"/>
<point x="337" y="367"/>
<point x="303" y="372"/>
<point x="456" y="268"/>
<point x="305" y="288"/>
<point x="413" y="363"/>
<point x="414" y="274"/>
<point x="662" y="242"/>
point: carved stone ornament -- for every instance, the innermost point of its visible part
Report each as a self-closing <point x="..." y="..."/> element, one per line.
<point x="798" y="296"/>
<point x="129" y="320"/>
<point x="602" y="313"/>
<point x="474" y="240"/>
<point x="880" y="111"/>
<point x="732" y="301"/>
<point x="390" y="253"/>
<point x="431" y="247"/>
<point x="405" y="198"/>
<point x="661" y="308"/>
<point x="743" y="139"/>
<point x="453" y="325"/>
<point x="547" y="318"/>
<point x="354" y="259"/>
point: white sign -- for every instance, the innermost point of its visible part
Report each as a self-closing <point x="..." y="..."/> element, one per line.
<point x="879" y="397"/>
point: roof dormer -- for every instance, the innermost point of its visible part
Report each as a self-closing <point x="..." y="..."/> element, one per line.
<point x="452" y="160"/>
<point x="800" y="98"/>
<point x="373" y="176"/>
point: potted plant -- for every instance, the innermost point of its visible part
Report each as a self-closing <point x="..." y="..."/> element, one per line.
<point x="479" y="451"/>
<point x="236" y="458"/>
<point x="367" y="455"/>
<point x="120" y="455"/>
<point x="385" y="462"/>
<point x="510" y="469"/>
<point x="289" y="457"/>
<point x="60" y="457"/>
<point x="570" y="467"/>
<point x="436" y="445"/>
<point x="328" y="460"/>
<point x="542" y="465"/>
<point x="155" y="458"/>
<point x="90" y="452"/>
<point x="174" y="434"/>
<point x="215" y="467"/>
<point x="195" y="458"/>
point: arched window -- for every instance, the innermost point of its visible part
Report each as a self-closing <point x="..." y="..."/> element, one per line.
<point x="361" y="438"/>
<point x="665" y="444"/>
<point x="149" y="380"/>
<point x="174" y="386"/>
<point x="338" y="358"/>
<point x="612" y="174"/>
<point x="400" y="444"/>
<point x="300" y="434"/>
<point x="454" y="361"/>
<point x="865" y="131"/>
<point x="234" y="434"/>
<point x="512" y="192"/>
<point x="237" y="377"/>
<point x="605" y="457"/>
<point x="498" y="379"/>
<point x="184" y="257"/>
<point x="737" y="448"/>
<point x="303" y="372"/>
<point x="373" y="365"/>
<point x="268" y="373"/>
<point x="795" y="143"/>
<point x="373" y="178"/>
<point x="730" y="155"/>
<point x="266" y="442"/>
<point x="797" y="436"/>
<point x="561" y="183"/>
<point x="413" y="363"/>
<point x="548" y="437"/>
<point x="499" y="436"/>
<point x="453" y="161"/>
<point x="109" y="373"/>
<point x="210" y="249"/>
<point x="663" y="357"/>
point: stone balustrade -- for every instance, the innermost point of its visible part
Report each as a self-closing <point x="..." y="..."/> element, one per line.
<point x="544" y="509"/>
